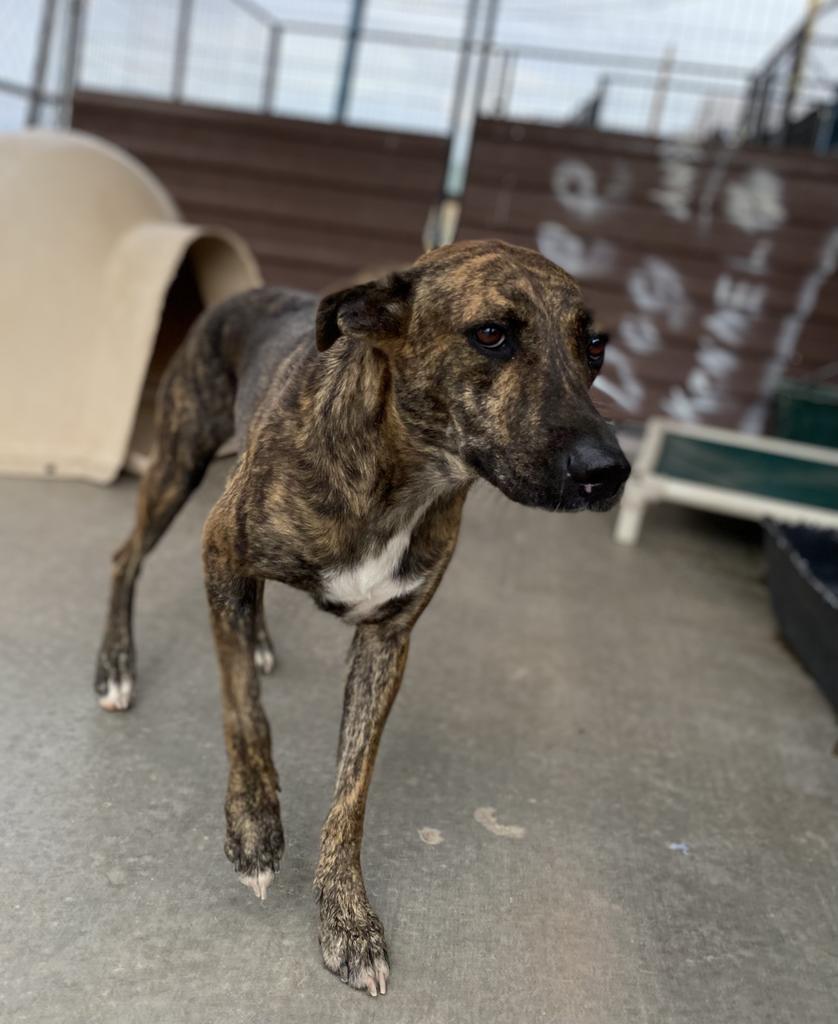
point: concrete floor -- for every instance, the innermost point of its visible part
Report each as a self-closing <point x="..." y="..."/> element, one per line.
<point x="612" y="704"/>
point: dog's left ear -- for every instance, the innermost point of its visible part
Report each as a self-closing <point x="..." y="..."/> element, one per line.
<point x="374" y="312"/>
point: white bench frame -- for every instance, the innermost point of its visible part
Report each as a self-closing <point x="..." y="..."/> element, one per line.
<point x="646" y="486"/>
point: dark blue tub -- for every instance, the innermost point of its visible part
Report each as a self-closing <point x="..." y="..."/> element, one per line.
<point x="803" y="579"/>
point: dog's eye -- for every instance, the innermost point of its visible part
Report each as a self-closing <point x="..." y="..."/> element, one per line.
<point x="596" y="350"/>
<point x="490" y="336"/>
<point x="494" y="340"/>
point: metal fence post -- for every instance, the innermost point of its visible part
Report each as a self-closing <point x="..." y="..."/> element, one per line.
<point x="458" y="95"/>
<point x="508" y="84"/>
<point x="589" y="114"/>
<point x="790" y="92"/>
<point x="658" y="101"/>
<point x="33" y="111"/>
<point x="762" y="107"/>
<point x="502" y="93"/>
<point x="349" y="59"/>
<point x="826" y="126"/>
<point x="747" y="119"/>
<point x="798" y="65"/>
<point x="768" y="105"/>
<point x="271" y="67"/>
<point x="485" y="51"/>
<point x="71" y="61"/>
<point x="184" y="27"/>
<point x="462" y="116"/>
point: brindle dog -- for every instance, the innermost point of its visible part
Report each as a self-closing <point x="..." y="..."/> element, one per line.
<point x="474" y="362"/>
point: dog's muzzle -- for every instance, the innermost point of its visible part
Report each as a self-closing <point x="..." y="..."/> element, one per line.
<point x="594" y="475"/>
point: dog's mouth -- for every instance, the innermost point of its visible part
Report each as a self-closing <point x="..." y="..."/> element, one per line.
<point x="555" y="495"/>
<point x="558" y="492"/>
<point x="588" y="500"/>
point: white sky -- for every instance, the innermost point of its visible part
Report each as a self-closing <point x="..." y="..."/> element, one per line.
<point x="129" y="45"/>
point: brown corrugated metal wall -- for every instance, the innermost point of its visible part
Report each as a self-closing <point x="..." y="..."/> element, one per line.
<point x="317" y="202"/>
<point x="714" y="269"/>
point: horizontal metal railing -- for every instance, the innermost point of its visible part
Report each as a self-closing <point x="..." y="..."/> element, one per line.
<point x="507" y="75"/>
<point x="474" y="74"/>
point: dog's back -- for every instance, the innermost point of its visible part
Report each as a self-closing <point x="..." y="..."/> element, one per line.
<point x="245" y="340"/>
<point x="283" y="322"/>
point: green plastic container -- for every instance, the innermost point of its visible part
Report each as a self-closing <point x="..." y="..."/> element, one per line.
<point x="807" y="412"/>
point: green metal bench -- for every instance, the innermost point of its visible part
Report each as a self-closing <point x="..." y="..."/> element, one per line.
<point x="731" y="473"/>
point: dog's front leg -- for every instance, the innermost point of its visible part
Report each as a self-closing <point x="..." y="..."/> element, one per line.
<point x="351" y="937"/>
<point x="255" y="841"/>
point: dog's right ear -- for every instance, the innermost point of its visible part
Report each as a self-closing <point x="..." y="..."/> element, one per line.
<point x="375" y="312"/>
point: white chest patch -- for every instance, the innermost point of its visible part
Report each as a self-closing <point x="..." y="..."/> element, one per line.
<point x="372" y="582"/>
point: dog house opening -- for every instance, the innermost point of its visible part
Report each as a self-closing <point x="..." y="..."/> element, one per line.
<point x="182" y="307"/>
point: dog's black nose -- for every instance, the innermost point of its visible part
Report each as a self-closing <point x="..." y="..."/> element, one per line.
<point x="598" y="470"/>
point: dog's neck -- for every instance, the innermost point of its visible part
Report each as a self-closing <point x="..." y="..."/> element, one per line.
<point x="366" y="450"/>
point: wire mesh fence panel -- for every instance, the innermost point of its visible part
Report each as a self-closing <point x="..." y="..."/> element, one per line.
<point x="546" y="90"/>
<point x="13" y="109"/>
<point x="307" y="83"/>
<point x="129" y="47"/>
<point x="439" y="18"/>
<point x="405" y="87"/>
<point x="226" y="57"/>
<point x="673" y="68"/>
<point x="18" y="42"/>
<point x="32" y="62"/>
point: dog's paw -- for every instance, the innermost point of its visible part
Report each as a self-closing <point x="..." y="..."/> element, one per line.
<point x="258" y="882"/>
<point x="118" y="695"/>
<point x="263" y="655"/>
<point x="352" y="945"/>
<point x="114" y="681"/>
<point x="254" y="845"/>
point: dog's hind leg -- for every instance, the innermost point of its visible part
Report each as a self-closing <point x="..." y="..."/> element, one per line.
<point x="194" y="416"/>
<point x="264" y="656"/>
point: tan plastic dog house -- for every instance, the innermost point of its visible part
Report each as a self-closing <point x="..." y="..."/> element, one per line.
<point x="99" y="280"/>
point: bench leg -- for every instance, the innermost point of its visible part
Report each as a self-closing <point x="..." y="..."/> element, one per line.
<point x="630" y="517"/>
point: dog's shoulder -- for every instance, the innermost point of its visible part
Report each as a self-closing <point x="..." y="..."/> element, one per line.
<point x="282" y="322"/>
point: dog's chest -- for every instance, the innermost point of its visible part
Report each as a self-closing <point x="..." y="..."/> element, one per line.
<point x="365" y="587"/>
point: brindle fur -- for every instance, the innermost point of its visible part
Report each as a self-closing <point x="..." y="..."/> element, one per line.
<point x="378" y="429"/>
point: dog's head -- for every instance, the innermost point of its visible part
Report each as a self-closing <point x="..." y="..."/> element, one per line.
<point x="492" y="355"/>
